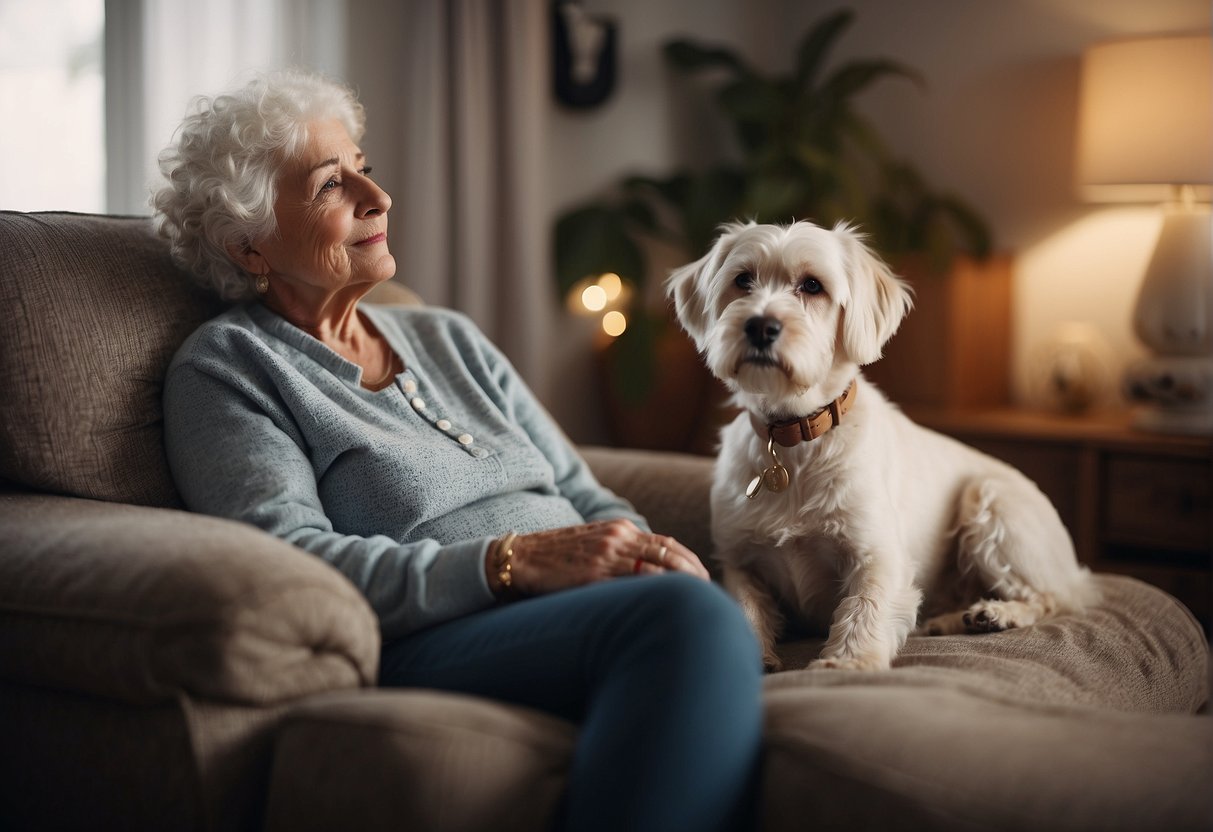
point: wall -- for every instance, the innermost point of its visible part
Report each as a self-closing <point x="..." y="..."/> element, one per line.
<point x="995" y="124"/>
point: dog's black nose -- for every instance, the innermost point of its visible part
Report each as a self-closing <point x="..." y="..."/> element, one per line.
<point x="762" y="330"/>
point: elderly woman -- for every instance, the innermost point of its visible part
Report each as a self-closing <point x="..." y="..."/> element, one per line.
<point x="401" y="447"/>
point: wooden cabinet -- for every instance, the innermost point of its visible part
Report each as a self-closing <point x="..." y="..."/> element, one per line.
<point x="1135" y="503"/>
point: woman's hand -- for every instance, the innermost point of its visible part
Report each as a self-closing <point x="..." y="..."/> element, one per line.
<point x="562" y="558"/>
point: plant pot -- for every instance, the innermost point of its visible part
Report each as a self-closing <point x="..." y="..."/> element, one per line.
<point x="682" y="409"/>
<point x="954" y="348"/>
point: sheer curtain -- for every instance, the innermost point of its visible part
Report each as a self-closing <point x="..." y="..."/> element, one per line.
<point x="161" y="53"/>
<point x="470" y="218"/>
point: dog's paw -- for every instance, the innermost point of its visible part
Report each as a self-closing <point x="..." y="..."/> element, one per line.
<point x="997" y="616"/>
<point x="943" y="625"/>
<point x="849" y="663"/>
<point x="771" y="663"/>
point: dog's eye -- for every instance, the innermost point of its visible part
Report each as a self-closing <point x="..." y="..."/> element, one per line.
<point x="744" y="281"/>
<point x="810" y="286"/>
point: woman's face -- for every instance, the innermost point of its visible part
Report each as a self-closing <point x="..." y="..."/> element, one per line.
<point x="332" y="219"/>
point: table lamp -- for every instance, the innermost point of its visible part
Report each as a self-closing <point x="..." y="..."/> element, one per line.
<point x="1146" y="134"/>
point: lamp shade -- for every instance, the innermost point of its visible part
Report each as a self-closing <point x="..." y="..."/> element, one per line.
<point x="1146" y="118"/>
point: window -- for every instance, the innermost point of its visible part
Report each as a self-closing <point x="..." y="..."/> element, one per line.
<point x="52" y="102"/>
<point x="89" y="95"/>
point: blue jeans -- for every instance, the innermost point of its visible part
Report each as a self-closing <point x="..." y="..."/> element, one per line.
<point x="661" y="672"/>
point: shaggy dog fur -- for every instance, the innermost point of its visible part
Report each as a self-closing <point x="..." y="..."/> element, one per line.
<point x="881" y="520"/>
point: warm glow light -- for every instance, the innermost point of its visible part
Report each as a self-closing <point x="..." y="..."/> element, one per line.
<point x="611" y="286"/>
<point x="1146" y="118"/>
<point x="594" y="298"/>
<point x="614" y="324"/>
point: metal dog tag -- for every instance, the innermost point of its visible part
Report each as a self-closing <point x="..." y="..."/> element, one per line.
<point x="773" y="479"/>
<point x="754" y="487"/>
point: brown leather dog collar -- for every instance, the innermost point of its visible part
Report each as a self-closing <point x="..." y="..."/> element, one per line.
<point x="789" y="432"/>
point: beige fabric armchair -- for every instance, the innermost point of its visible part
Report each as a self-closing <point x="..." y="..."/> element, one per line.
<point x="164" y="670"/>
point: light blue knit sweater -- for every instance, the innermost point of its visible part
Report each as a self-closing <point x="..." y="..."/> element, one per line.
<point x="403" y="489"/>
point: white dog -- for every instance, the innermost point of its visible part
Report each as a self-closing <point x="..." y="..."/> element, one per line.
<point x="827" y="502"/>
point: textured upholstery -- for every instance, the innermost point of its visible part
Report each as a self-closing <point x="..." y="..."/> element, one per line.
<point x="74" y="761"/>
<point x="141" y="605"/>
<point x="83" y="351"/>
<point x="1138" y="649"/>
<point x="1039" y="728"/>
<point x="517" y="759"/>
<point x="907" y="755"/>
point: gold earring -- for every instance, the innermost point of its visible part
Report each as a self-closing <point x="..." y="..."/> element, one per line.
<point x="262" y="284"/>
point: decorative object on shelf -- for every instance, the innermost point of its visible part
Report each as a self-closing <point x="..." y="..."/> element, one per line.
<point x="805" y="153"/>
<point x="583" y="56"/>
<point x="1071" y="372"/>
<point x="1146" y="134"/>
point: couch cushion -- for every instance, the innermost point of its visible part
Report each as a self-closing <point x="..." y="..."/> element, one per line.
<point x="143" y="605"/>
<point x="1138" y="649"/>
<point x="912" y="756"/>
<point x="94" y="310"/>
<point x="411" y="759"/>
<point x="89" y="763"/>
<point x="1076" y="723"/>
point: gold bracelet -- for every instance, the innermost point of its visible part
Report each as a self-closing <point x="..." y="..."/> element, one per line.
<point x="505" y="562"/>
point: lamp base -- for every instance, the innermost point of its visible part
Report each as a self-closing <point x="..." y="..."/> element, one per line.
<point x="1174" y="394"/>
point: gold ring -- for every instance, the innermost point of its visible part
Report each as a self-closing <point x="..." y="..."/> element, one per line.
<point x="661" y="555"/>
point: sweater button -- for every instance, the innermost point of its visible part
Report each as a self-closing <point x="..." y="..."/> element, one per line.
<point x="418" y="403"/>
<point x="443" y="424"/>
<point x="410" y="386"/>
<point x="465" y="439"/>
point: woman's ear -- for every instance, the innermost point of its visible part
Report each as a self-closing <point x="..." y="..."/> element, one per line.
<point x="247" y="258"/>
<point x="878" y="303"/>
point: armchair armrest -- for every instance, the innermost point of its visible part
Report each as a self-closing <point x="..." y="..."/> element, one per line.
<point x="671" y="490"/>
<point x="142" y="604"/>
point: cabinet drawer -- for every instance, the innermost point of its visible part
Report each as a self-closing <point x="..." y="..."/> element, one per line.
<point x="1158" y="502"/>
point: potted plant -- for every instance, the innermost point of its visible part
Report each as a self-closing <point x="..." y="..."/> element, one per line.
<point x="803" y="152"/>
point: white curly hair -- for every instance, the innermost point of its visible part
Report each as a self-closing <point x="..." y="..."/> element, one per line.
<point x="220" y="170"/>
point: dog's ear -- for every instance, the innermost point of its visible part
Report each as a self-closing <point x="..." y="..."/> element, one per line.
<point x="688" y="285"/>
<point x="878" y="303"/>
<point x="689" y="303"/>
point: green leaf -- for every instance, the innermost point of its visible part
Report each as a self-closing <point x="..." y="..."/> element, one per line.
<point x="974" y="232"/>
<point x="632" y="365"/>
<point x="753" y="99"/>
<point x="863" y="134"/>
<point x="940" y="245"/>
<point x="713" y="197"/>
<point x="690" y="56"/>
<point x="815" y="158"/>
<point x="775" y="198"/>
<point x="812" y="51"/>
<point x="593" y="240"/>
<point x="673" y="189"/>
<point x="638" y="211"/>
<point x="854" y="77"/>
